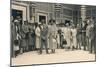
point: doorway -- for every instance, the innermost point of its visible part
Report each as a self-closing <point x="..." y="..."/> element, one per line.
<point x="17" y="13"/>
<point x="42" y="16"/>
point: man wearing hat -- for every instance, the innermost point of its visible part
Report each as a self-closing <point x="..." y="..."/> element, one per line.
<point x="84" y="26"/>
<point x="25" y="31"/>
<point x="44" y="35"/>
<point x="90" y="34"/>
<point x="15" y="33"/>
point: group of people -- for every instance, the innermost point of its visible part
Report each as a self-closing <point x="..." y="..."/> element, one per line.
<point x="39" y="36"/>
<point x="81" y="36"/>
<point x="32" y="36"/>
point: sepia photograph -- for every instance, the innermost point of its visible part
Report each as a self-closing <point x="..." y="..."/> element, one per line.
<point x="51" y="33"/>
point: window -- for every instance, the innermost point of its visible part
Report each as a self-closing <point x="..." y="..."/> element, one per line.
<point x="67" y="12"/>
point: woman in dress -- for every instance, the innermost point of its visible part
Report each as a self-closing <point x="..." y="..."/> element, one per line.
<point x="74" y="33"/>
<point x="52" y="36"/>
<point x="68" y="35"/>
<point x="37" y="33"/>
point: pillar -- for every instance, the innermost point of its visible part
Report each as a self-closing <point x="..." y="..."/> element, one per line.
<point x="83" y="12"/>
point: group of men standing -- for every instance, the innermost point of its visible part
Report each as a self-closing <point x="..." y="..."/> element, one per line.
<point x="89" y="35"/>
<point x="22" y="37"/>
<point x="28" y="37"/>
<point x="46" y="36"/>
<point x="81" y="36"/>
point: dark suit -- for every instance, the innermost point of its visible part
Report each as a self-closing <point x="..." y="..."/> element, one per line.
<point x="31" y="40"/>
<point x="84" y="36"/>
<point x="92" y="36"/>
<point x="14" y="32"/>
<point x="44" y="34"/>
<point x="79" y="38"/>
<point x="25" y="40"/>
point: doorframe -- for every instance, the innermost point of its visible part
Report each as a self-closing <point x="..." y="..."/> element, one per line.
<point x="23" y="8"/>
<point x="42" y="13"/>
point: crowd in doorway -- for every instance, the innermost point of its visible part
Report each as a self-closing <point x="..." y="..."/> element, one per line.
<point x="36" y="36"/>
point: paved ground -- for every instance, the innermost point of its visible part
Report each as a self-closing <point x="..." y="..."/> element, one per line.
<point x="60" y="56"/>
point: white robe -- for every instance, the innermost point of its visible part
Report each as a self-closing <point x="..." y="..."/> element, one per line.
<point x="67" y="36"/>
<point x="52" y="35"/>
<point x="74" y="33"/>
<point x="38" y="41"/>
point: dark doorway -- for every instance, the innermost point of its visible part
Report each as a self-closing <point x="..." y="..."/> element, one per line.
<point x="67" y="21"/>
<point x="41" y="17"/>
<point x="17" y="13"/>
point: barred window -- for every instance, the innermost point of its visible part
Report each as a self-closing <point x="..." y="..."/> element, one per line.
<point x="75" y="13"/>
<point x="57" y="13"/>
<point x="88" y="12"/>
<point x="67" y="12"/>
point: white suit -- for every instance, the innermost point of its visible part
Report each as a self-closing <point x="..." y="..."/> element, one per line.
<point x="67" y="33"/>
<point x="52" y="36"/>
<point x="38" y="32"/>
<point x="74" y="33"/>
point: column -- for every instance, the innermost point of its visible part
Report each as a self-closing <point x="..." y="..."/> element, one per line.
<point x="83" y="12"/>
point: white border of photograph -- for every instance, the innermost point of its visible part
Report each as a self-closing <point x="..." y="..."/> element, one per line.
<point x="5" y="33"/>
